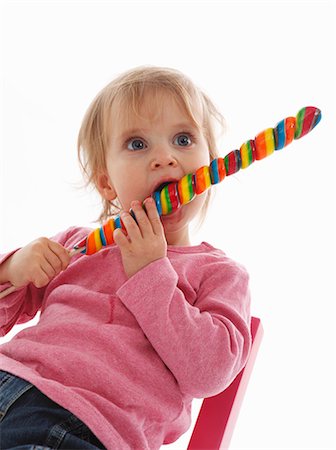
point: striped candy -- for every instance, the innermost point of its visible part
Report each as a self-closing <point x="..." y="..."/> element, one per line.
<point x="264" y="143"/>
<point x="306" y="119"/>
<point x="100" y="237"/>
<point x="169" y="199"/>
<point x="232" y="162"/>
<point x="284" y="132"/>
<point x="186" y="188"/>
<point x="247" y="153"/>
<point x="217" y="170"/>
<point x="202" y="180"/>
<point x="175" y="194"/>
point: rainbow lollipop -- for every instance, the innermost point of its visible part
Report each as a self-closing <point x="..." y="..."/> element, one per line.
<point x="175" y="194"/>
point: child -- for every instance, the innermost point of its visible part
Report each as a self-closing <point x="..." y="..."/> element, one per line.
<point x="127" y="337"/>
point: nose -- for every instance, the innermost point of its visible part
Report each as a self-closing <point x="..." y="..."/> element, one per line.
<point x="163" y="158"/>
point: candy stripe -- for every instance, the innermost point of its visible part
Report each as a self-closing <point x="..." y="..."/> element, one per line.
<point x="232" y="162"/>
<point x="185" y="188"/>
<point x="264" y="143"/>
<point x="280" y="135"/>
<point x="173" y="195"/>
<point x="102" y="237"/>
<point x="260" y="145"/>
<point x="214" y="172"/>
<point x="97" y="240"/>
<point x="108" y="231"/>
<point x="203" y="179"/>
<point x="290" y="129"/>
<point x="307" y="119"/>
<point x="217" y="170"/>
<point x="91" y="247"/>
<point x="118" y="223"/>
<point x="247" y="153"/>
<point x="316" y="116"/>
<point x="157" y="198"/>
<point x="299" y="123"/>
<point x="307" y="122"/>
<point x="221" y="169"/>
<point x="200" y="181"/>
<point x="165" y="201"/>
<point x="284" y="132"/>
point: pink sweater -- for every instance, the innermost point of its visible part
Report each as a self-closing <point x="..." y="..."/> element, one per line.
<point x="127" y="356"/>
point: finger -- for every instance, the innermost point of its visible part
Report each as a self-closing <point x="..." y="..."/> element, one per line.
<point x="61" y="252"/>
<point x="42" y="275"/>
<point x="48" y="269"/>
<point x="130" y="224"/>
<point x="42" y="279"/>
<point x="153" y="216"/>
<point x="142" y="219"/>
<point x="53" y="261"/>
<point x="120" y="238"/>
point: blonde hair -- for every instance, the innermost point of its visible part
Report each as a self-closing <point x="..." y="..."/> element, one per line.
<point x="127" y="92"/>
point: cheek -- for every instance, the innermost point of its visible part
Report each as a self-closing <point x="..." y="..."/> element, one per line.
<point x="199" y="159"/>
<point x="130" y="187"/>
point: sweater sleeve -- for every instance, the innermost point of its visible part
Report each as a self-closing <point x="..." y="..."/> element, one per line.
<point x="23" y="304"/>
<point x="205" y="344"/>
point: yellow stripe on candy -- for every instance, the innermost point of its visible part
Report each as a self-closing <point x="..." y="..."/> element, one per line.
<point x="97" y="239"/>
<point x="164" y="198"/>
<point x="246" y="154"/>
<point x="269" y="139"/>
<point x="108" y="231"/>
<point x="185" y="189"/>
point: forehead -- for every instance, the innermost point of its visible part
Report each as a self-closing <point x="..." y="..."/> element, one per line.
<point x="152" y="106"/>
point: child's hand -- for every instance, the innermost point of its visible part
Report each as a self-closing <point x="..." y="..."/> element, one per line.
<point x="146" y="241"/>
<point x="37" y="263"/>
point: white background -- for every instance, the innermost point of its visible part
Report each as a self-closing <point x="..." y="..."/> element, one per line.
<point x="260" y="62"/>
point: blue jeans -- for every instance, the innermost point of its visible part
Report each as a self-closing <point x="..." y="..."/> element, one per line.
<point x="29" y="420"/>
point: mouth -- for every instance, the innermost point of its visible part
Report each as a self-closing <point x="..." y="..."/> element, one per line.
<point x="161" y="185"/>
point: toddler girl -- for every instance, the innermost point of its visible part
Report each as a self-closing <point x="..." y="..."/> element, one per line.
<point x="127" y="337"/>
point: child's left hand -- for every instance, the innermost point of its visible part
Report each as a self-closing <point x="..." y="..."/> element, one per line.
<point x="146" y="241"/>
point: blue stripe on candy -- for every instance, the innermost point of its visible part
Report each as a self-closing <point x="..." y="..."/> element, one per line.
<point x="317" y="118"/>
<point x="156" y="197"/>
<point x="214" y="171"/>
<point x="102" y="236"/>
<point x="117" y="222"/>
<point x="238" y="160"/>
<point x="280" y="128"/>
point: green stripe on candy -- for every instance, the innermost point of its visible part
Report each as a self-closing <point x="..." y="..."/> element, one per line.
<point x="299" y="123"/>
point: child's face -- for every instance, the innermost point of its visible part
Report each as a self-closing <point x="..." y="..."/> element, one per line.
<point x="145" y="152"/>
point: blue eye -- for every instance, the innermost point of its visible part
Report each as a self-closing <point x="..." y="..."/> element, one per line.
<point x="135" y="144"/>
<point x="183" y="140"/>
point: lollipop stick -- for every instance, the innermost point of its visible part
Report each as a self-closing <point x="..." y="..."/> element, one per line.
<point x="7" y="291"/>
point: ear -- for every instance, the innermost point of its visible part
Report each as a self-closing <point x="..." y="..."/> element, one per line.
<point x="105" y="187"/>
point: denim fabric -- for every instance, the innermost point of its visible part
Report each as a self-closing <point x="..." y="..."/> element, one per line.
<point x="29" y="420"/>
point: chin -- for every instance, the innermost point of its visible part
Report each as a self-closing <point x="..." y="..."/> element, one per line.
<point x="174" y="217"/>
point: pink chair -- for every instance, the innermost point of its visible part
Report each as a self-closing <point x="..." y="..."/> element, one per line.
<point x="218" y="415"/>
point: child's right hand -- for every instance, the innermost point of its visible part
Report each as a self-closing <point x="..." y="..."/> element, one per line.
<point x="38" y="263"/>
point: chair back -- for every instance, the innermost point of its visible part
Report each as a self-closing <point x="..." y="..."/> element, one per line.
<point x="218" y="414"/>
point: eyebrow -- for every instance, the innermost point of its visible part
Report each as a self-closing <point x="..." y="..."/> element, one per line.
<point x="136" y="131"/>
